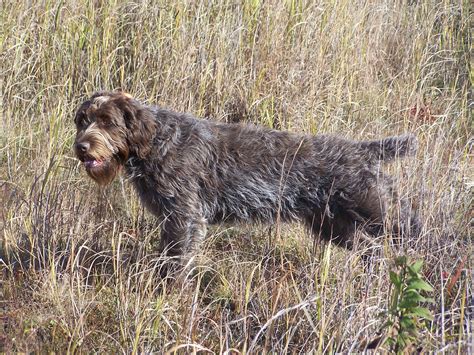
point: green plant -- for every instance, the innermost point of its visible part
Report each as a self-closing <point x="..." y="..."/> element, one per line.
<point x="405" y="314"/>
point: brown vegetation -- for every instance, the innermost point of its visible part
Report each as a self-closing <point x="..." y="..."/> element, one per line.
<point x="79" y="267"/>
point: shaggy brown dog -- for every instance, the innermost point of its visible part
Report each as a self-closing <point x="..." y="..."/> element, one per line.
<point x="191" y="172"/>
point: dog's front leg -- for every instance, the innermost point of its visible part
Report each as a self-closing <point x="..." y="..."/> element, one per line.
<point x="181" y="235"/>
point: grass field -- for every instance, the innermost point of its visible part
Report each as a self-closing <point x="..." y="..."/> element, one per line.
<point x="79" y="267"/>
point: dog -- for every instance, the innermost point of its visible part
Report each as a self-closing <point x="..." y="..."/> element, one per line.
<point x="192" y="172"/>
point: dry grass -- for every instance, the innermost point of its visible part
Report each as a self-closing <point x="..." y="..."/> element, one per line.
<point x="79" y="268"/>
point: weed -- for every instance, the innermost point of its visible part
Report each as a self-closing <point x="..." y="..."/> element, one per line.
<point x="405" y="315"/>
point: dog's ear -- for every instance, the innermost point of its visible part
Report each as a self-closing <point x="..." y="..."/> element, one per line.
<point x="140" y="123"/>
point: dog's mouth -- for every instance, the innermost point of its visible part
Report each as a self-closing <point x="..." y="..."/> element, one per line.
<point x="102" y="170"/>
<point x="90" y="164"/>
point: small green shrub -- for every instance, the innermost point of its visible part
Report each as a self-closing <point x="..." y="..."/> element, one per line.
<point x="405" y="315"/>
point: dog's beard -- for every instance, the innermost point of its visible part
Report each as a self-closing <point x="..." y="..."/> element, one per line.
<point x="102" y="171"/>
<point x="103" y="161"/>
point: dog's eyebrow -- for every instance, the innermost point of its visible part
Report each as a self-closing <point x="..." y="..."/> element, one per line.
<point x="98" y="101"/>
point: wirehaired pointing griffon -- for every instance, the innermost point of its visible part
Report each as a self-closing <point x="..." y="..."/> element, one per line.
<point x="191" y="172"/>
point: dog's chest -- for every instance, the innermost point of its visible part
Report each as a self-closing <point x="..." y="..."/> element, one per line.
<point x="149" y="197"/>
<point x="151" y="192"/>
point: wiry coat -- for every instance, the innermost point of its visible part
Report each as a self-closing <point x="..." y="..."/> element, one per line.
<point x="190" y="172"/>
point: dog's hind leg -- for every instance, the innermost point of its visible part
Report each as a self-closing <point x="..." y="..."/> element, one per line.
<point x="339" y="228"/>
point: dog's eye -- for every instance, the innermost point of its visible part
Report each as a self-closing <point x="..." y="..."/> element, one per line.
<point x="104" y="123"/>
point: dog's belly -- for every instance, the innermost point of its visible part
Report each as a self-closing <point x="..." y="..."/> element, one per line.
<point x="244" y="205"/>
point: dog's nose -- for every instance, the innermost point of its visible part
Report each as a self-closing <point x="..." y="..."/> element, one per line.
<point x="83" y="147"/>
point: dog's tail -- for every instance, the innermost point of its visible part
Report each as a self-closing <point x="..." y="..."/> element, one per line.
<point x="390" y="148"/>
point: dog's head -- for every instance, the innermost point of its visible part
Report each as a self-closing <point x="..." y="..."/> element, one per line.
<point x="111" y="128"/>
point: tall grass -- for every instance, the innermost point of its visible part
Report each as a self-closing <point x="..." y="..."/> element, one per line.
<point x="80" y="271"/>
